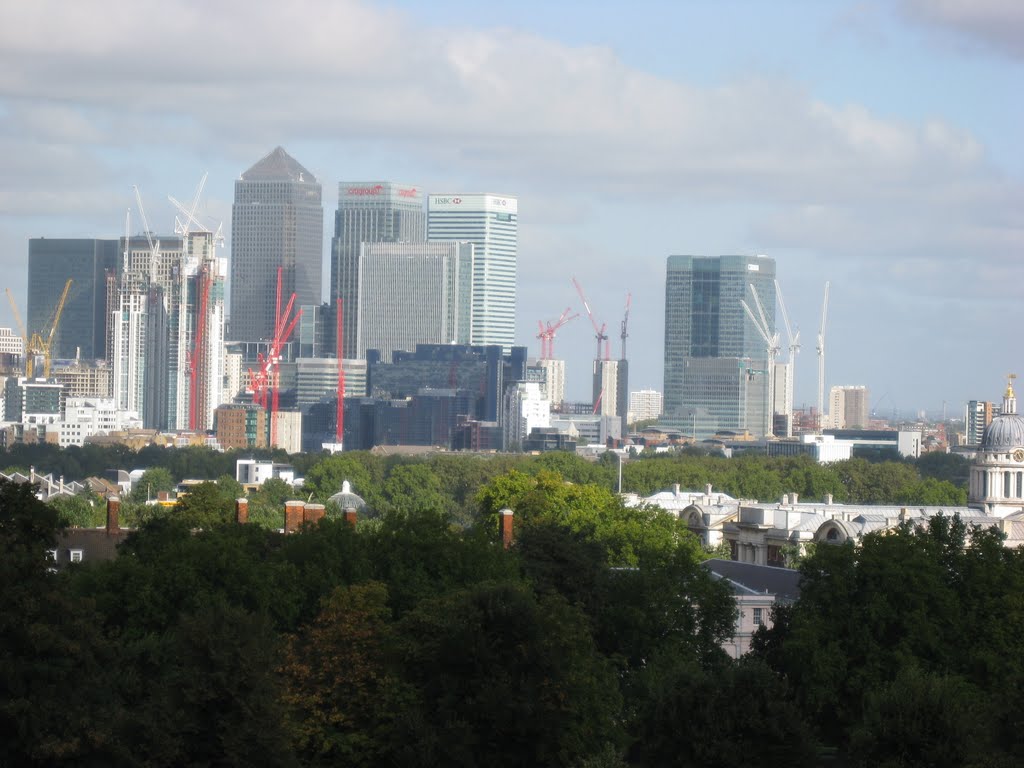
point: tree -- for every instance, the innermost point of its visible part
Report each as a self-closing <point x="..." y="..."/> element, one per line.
<point x="505" y="679"/>
<point x="737" y="715"/>
<point x="205" y="505"/>
<point x="79" y="511"/>
<point x="152" y="482"/>
<point x="343" y="695"/>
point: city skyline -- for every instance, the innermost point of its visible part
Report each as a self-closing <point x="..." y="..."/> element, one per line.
<point x="867" y="144"/>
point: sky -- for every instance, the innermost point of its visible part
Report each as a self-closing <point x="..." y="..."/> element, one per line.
<point x="875" y="145"/>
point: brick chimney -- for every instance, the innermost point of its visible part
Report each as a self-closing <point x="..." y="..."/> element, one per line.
<point x="113" y="510"/>
<point x="241" y="511"/>
<point x="293" y="515"/>
<point x="507" y="517"/>
<point x="313" y="513"/>
<point x="351" y="516"/>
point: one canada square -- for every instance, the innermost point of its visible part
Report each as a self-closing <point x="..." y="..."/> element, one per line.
<point x="277" y="221"/>
<point x="490" y="222"/>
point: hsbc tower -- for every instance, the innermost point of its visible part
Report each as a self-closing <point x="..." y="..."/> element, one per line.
<point x="491" y="223"/>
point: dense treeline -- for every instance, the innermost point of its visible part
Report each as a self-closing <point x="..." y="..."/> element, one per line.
<point x="417" y="640"/>
<point x="450" y="481"/>
<point x="906" y="651"/>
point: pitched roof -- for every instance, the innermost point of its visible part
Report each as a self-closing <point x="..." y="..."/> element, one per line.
<point x="279" y="165"/>
<point x="747" y="578"/>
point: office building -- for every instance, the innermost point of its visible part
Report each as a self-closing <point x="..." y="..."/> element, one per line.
<point x="849" y="407"/>
<point x="716" y="372"/>
<point x="368" y="212"/>
<point x="554" y="380"/>
<point x="413" y="293"/>
<point x="277" y="220"/>
<point x="490" y="223"/>
<point x="51" y="262"/>
<point x="242" y="426"/>
<point x="526" y="409"/>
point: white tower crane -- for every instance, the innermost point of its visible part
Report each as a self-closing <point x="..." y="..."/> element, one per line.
<point x="794" y="348"/>
<point x="154" y="246"/>
<point x="821" y="359"/>
<point x="771" y="348"/>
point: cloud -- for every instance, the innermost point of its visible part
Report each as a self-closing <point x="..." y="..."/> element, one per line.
<point x="989" y="24"/>
<point x="612" y="163"/>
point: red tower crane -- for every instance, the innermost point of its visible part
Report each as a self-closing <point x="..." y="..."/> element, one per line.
<point x="265" y="380"/>
<point x="547" y="335"/>
<point x="599" y="333"/>
<point x="625" y="324"/>
<point x="339" y="434"/>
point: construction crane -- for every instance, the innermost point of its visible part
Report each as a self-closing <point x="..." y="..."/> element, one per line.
<point x="771" y="349"/>
<point x="35" y="345"/>
<point x="547" y="334"/>
<point x="339" y="428"/>
<point x="794" y="348"/>
<point x="624" y="333"/>
<point x="821" y="358"/>
<point x="154" y="245"/>
<point x="599" y="333"/>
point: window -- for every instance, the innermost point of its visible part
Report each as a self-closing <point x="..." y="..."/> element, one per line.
<point x="759" y="616"/>
<point x="75" y="555"/>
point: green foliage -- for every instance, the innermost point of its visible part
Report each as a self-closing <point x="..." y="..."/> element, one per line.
<point x="151" y="483"/>
<point x="206" y="504"/>
<point x="505" y="679"/>
<point x="82" y="511"/>
<point x="738" y="715"/>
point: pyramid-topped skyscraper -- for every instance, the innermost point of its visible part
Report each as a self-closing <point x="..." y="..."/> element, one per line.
<point x="277" y="220"/>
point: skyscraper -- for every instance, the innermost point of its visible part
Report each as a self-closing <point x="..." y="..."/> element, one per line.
<point x="491" y="223"/>
<point x="413" y="293"/>
<point x="368" y="212"/>
<point x="715" y="361"/>
<point x="277" y="220"/>
<point x="51" y="262"/>
<point x="849" y="407"/>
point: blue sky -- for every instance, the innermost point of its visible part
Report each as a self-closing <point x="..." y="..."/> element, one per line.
<point x="872" y="144"/>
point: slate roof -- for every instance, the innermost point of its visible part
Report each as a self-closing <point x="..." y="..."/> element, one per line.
<point x="279" y="166"/>
<point x="750" y="579"/>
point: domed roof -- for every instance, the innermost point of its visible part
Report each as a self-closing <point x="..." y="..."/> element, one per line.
<point x="1006" y="432"/>
<point x="345" y="499"/>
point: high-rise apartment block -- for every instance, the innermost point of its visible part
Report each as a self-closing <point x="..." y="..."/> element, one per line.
<point x="277" y="220"/>
<point x="978" y="415"/>
<point x="491" y="223"/>
<point x="86" y="262"/>
<point x="368" y="212"/>
<point x="644" y="405"/>
<point x="413" y="293"/>
<point x="716" y="371"/>
<point x="849" y="407"/>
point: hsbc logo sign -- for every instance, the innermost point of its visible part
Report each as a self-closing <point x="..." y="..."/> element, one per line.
<point x="446" y="200"/>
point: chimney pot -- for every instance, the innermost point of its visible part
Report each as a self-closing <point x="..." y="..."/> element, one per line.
<point x="707" y="489"/>
<point x="293" y="515"/>
<point x="507" y="517"/>
<point x="675" y="489"/>
<point x="241" y="511"/>
<point x="351" y="516"/>
<point x="828" y="498"/>
<point x="794" y="497"/>
<point x="113" y="510"/>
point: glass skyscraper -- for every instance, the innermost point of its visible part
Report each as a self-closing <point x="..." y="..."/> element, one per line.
<point x="83" y="322"/>
<point x="277" y="220"/>
<point x="716" y="370"/>
<point x="491" y="224"/>
<point x="368" y="212"/>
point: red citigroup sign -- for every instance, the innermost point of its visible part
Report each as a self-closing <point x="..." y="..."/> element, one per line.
<point x="377" y="190"/>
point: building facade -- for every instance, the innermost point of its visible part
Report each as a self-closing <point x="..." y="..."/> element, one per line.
<point x="491" y="223"/>
<point x="86" y="262"/>
<point x="716" y="371"/>
<point x="849" y="407"/>
<point x="977" y="417"/>
<point x="413" y="293"/>
<point x="368" y="212"/>
<point x="644" y="405"/>
<point x="277" y="220"/>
